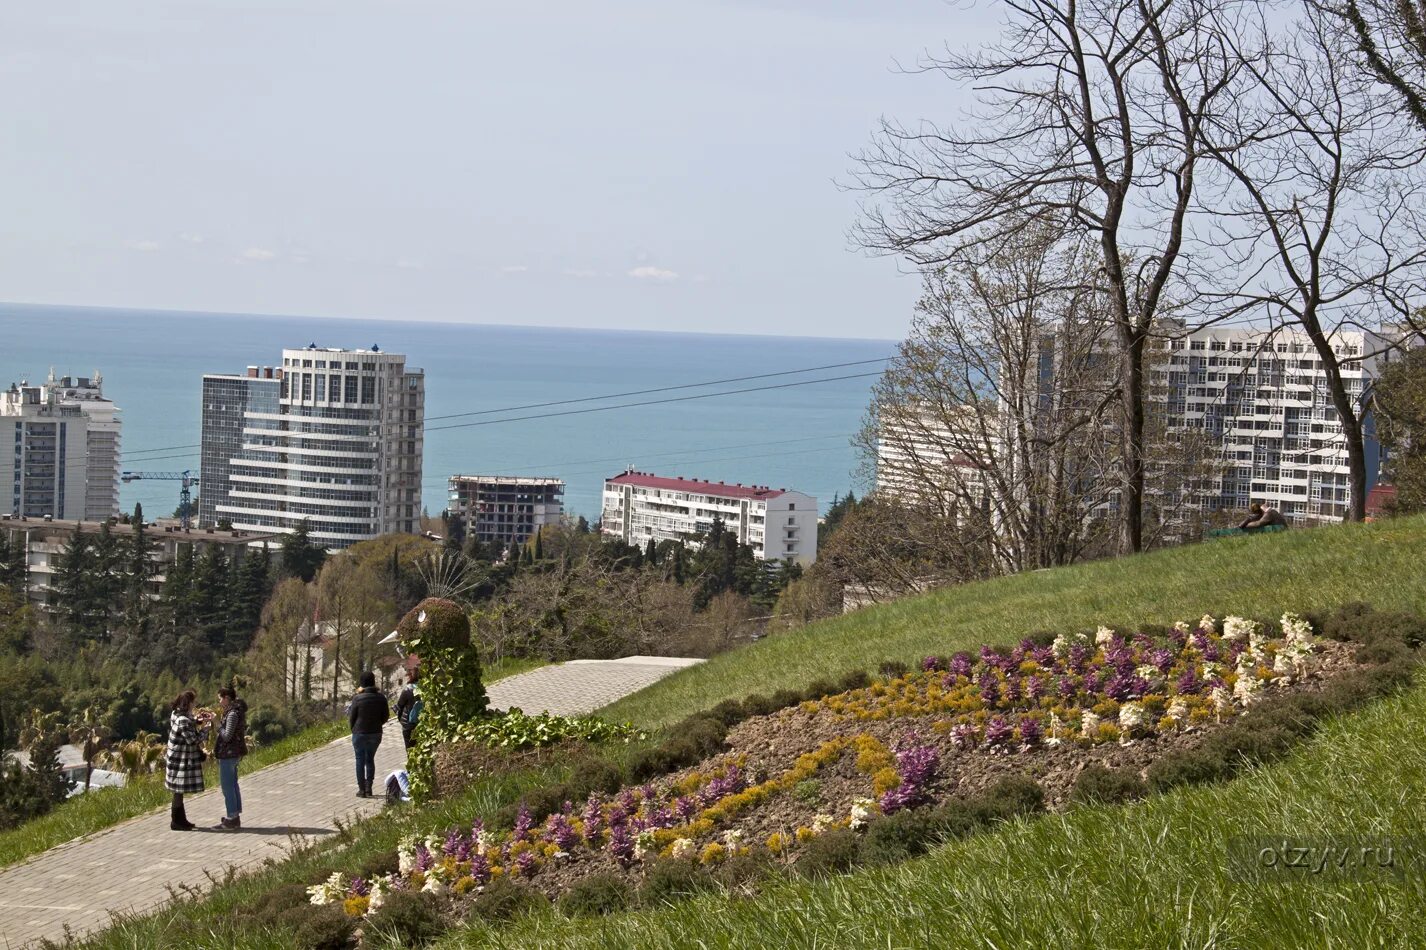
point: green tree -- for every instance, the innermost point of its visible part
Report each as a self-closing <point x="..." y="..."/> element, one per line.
<point x="301" y="556"/>
<point x="76" y="591"/>
<point x="137" y="557"/>
<point x="252" y="582"/>
<point x="1400" y="404"/>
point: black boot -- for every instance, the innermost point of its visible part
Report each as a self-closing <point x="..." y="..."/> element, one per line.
<point x="177" y="816"/>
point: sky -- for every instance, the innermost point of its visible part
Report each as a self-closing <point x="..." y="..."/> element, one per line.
<point x="633" y="164"/>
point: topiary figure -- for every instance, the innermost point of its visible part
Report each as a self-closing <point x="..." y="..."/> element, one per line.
<point x="438" y="631"/>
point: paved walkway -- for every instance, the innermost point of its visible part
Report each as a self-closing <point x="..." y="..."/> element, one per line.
<point x="133" y="866"/>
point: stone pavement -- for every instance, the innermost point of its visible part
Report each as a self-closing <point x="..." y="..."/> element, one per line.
<point x="134" y="865"/>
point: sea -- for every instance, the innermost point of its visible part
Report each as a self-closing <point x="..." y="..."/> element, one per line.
<point x="576" y="404"/>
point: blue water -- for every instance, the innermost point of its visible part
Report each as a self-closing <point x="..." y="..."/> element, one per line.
<point x="798" y="437"/>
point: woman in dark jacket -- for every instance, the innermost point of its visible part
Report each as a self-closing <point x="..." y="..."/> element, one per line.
<point x="184" y="772"/>
<point x="367" y="714"/>
<point x="230" y="746"/>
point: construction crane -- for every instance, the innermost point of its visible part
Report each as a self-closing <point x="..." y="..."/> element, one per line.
<point x="189" y="478"/>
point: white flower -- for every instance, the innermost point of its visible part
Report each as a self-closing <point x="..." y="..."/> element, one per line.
<point x="1211" y="669"/>
<point x="643" y="843"/>
<point x="1222" y="701"/>
<point x="1089" y="724"/>
<point x="1283" y="666"/>
<point x="433" y="885"/>
<point x="377" y="897"/>
<point x="732" y="838"/>
<point x="482" y="841"/>
<point x="821" y="823"/>
<point x="1182" y="626"/>
<point x="1061" y="646"/>
<point x="1207" y="624"/>
<point x="1246" y="688"/>
<point x="1295" y="629"/>
<point x="331" y="891"/>
<point x="863" y="811"/>
<point x="1103" y="635"/>
<point x="1178" y="709"/>
<point x="1052" y="733"/>
<point x="683" y="848"/>
<point x="406" y="855"/>
<point x="1235" y="628"/>
<point x="1131" y="716"/>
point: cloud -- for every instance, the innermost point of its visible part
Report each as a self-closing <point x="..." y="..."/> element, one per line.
<point x="653" y="273"/>
<point x="514" y="269"/>
<point x="190" y="237"/>
<point x="142" y="245"/>
<point x="407" y="264"/>
<point x="581" y="272"/>
<point x="258" y="254"/>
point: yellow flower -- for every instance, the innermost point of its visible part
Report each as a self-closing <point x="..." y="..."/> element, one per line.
<point x="465" y="885"/>
<point x="356" y="906"/>
<point x="805" y="834"/>
<point x="777" y="842"/>
<point x="713" y="854"/>
<point x="884" y="781"/>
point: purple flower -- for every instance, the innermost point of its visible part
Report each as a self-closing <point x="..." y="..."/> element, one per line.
<point x="453" y="842"/>
<point x="1030" y="730"/>
<point x="523" y="823"/>
<point x="476" y="827"/>
<point x="359" y="888"/>
<point x="1045" y="656"/>
<point x="561" y="832"/>
<point x="1067" y="687"/>
<point x="627" y="801"/>
<point x="593" y="816"/>
<point x="621" y="845"/>
<point x="480" y="869"/>
<point x="1178" y="638"/>
<point x="960" y="664"/>
<point x="1012" y="690"/>
<point x="1122" y="687"/>
<point x="525" y="864"/>
<point x="917" y="766"/>
<point x="989" y="688"/>
<point x="998" y="732"/>
<point x="1162" y="659"/>
<point x="685" y="807"/>
<point x="1092" y="683"/>
<point x="1079" y="656"/>
<point x="424" y="860"/>
<point x="1189" y="683"/>
<point x="932" y="664"/>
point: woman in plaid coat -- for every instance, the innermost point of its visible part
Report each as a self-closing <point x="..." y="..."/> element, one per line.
<point x="185" y="757"/>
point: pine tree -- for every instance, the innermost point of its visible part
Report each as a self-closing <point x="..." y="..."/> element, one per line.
<point x="250" y="587"/>
<point x="177" y="598"/>
<point x="539" y="554"/>
<point x="651" y="553"/>
<point x="75" y="589"/>
<point x="137" y="556"/>
<point x="211" y="596"/>
<point x="301" y="558"/>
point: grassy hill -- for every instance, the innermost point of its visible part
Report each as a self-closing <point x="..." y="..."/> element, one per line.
<point x="1384" y="564"/>
<point x="1151" y="874"/>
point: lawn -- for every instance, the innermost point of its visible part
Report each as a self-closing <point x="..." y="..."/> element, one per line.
<point x="1253" y="576"/>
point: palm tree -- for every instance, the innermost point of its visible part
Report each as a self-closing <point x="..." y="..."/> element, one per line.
<point x="138" y="756"/>
<point x="91" y="732"/>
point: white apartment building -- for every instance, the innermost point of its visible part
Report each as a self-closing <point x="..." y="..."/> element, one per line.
<point x="1265" y="396"/>
<point x="505" y="509"/>
<point x="333" y="437"/>
<point x="59" y="449"/>
<point x="777" y="524"/>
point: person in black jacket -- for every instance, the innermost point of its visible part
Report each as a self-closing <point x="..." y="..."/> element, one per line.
<point x="405" y="702"/>
<point x="367" y="714"/>
<point x="230" y="746"/>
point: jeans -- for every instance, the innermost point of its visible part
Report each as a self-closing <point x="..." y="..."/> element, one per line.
<point x="228" y="777"/>
<point x="365" y="743"/>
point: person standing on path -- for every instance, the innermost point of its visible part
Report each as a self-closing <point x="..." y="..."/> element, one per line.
<point x="230" y="746"/>
<point x="367" y="714"/>
<point x="183" y="772"/>
<point x="406" y="704"/>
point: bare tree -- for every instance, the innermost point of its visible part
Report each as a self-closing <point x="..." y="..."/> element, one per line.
<point x="997" y="402"/>
<point x="1323" y="216"/>
<point x="1091" y="118"/>
<point x="281" y="653"/>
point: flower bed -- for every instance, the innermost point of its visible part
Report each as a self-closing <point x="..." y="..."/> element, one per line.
<point x="967" y="738"/>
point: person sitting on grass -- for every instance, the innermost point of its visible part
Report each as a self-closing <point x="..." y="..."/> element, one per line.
<point x="1262" y="516"/>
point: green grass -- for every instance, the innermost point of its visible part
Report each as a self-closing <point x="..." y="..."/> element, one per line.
<point x="104" y="807"/>
<point x="1264" y="575"/>
<point x="1148" y="875"/>
<point x="510" y="666"/>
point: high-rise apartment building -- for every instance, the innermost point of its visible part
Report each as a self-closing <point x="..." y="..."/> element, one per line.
<point x="1265" y="397"/>
<point x="332" y="437"/>
<point x="505" y="509"/>
<point x="778" y="524"/>
<point x="59" y="449"/>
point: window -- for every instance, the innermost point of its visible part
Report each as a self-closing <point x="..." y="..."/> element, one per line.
<point x="351" y="388"/>
<point x="321" y="387"/>
<point x="792" y="507"/>
<point x="368" y="390"/>
<point x="306" y="386"/>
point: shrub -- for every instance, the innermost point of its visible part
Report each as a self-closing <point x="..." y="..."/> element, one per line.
<point x="318" y="928"/>
<point x="1258" y="742"/>
<point x="379" y="865"/>
<point x="745" y="871"/>
<point x="819" y="688"/>
<point x="892" y="669"/>
<point x="672" y="880"/>
<point x="808" y="791"/>
<point x="900" y="836"/>
<point x="1185" y="768"/>
<point x="504" y="899"/>
<point x="281" y="898"/>
<point x="785" y="698"/>
<point x="857" y="679"/>
<point x="408" y="919"/>
<point x="729" y="712"/>
<point x="1097" y="784"/>
<point x="831" y="852"/>
<point x="956" y="818"/>
<point x="1345" y="622"/>
<point x="604" y="893"/>
<point x="1382" y="650"/>
<point x="759" y="704"/>
<point x="1016" y="795"/>
<point x="595" y="775"/>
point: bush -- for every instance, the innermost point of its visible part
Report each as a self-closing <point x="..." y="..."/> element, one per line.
<point x="819" y="688"/>
<point x="379" y="865"/>
<point x="856" y="679"/>
<point x="408" y="919"/>
<point x="759" y="705"/>
<point x="284" y="897"/>
<point x="1245" y="743"/>
<point x="892" y="669"/>
<point x="957" y="818"/>
<point x="744" y="872"/>
<point x="596" y="775"/>
<point x="903" y="835"/>
<point x="808" y="791"/>
<point x="785" y="698"/>
<point x="831" y="852"/>
<point x="1382" y="650"/>
<point x="672" y="880"/>
<point x="729" y="712"/>
<point x="604" y="893"/>
<point x="1099" y="785"/>
<point x="319" y="928"/>
<point x="504" y="899"/>
<point x="1016" y="795"/>
<point x="267" y="726"/>
<point x="1346" y="622"/>
<point x="1186" y="768"/>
